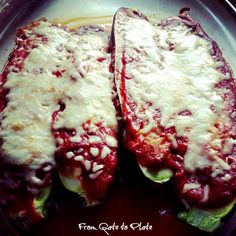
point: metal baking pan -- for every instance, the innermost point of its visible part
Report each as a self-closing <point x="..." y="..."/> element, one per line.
<point x="131" y="198"/>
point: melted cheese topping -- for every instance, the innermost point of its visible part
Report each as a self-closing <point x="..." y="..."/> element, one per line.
<point x="190" y="186"/>
<point x="175" y="80"/>
<point x="84" y="86"/>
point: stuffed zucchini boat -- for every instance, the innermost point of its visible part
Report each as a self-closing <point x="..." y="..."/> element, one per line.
<point x="177" y="96"/>
<point x="27" y="144"/>
<point x="57" y="111"/>
<point x="85" y="125"/>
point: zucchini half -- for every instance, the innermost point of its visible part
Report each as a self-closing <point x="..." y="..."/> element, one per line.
<point x="206" y="220"/>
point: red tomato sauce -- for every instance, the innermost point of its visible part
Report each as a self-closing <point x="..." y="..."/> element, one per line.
<point x="131" y="199"/>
